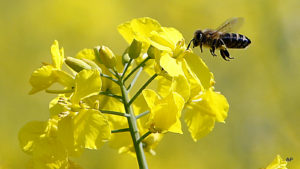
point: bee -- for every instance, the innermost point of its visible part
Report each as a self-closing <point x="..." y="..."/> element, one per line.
<point x="221" y="38"/>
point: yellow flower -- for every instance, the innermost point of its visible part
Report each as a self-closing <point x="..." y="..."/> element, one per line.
<point x="86" y="129"/>
<point x="203" y="110"/>
<point x="168" y="40"/>
<point x="277" y="163"/>
<point x="82" y="90"/>
<point x="164" y="112"/>
<point x="48" y="74"/>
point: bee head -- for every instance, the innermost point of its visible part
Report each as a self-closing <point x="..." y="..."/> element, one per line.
<point x="198" y="35"/>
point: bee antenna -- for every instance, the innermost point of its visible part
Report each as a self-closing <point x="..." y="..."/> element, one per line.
<point x="189" y="44"/>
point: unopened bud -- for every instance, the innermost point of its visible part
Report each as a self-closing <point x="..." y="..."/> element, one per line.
<point x="76" y="64"/>
<point x="125" y="58"/>
<point x="135" y="49"/>
<point x="107" y="57"/>
<point x="153" y="52"/>
<point x="92" y="64"/>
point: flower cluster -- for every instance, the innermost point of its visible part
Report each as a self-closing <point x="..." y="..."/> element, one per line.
<point x="97" y="102"/>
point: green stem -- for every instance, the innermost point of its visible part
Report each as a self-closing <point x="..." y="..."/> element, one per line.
<point x="120" y="130"/>
<point x="142" y="88"/>
<point x="144" y="136"/>
<point x="114" y="113"/>
<point x="134" y="132"/>
<point x="142" y="114"/>
<point x="135" y="69"/>
<point x="126" y="67"/>
<point x="110" y="78"/>
<point x="111" y="95"/>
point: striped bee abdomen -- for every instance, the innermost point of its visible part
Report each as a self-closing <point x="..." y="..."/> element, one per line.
<point x="235" y="40"/>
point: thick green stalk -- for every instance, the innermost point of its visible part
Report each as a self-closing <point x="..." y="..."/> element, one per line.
<point x="134" y="132"/>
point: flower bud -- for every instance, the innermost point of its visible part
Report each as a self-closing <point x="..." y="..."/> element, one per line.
<point x="76" y="64"/>
<point x="153" y="52"/>
<point x="107" y="57"/>
<point x="92" y="64"/>
<point x="125" y="58"/>
<point x="135" y="49"/>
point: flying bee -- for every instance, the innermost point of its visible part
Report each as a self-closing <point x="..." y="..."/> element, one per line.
<point x="221" y="38"/>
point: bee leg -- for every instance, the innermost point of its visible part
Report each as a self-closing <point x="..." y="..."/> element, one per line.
<point x="212" y="51"/>
<point x="225" y="54"/>
<point x="201" y="47"/>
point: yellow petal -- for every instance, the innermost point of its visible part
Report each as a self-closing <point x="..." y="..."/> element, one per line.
<point x="203" y="111"/>
<point x="64" y="78"/>
<point x="171" y="65"/>
<point x="164" y="113"/>
<point x="277" y="163"/>
<point x="88" y="129"/>
<point x="42" y="78"/>
<point x="195" y="84"/>
<point x="86" y="54"/>
<point x="178" y="84"/>
<point x="200" y="69"/>
<point x="57" y="55"/>
<point x="30" y="133"/>
<point x="87" y="83"/>
<point x="211" y="103"/>
<point x="91" y="129"/>
<point x="199" y="124"/>
<point x="181" y="86"/>
<point x="49" y="153"/>
<point x="151" y="97"/>
<point x="166" y="39"/>
<point x="139" y="29"/>
<point x="58" y="105"/>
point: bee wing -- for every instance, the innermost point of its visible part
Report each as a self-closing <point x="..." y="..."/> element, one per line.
<point x="231" y="25"/>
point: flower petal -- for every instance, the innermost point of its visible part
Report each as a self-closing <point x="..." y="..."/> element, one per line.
<point x="199" y="124"/>
<point x="86" y="54"/>
<point x="42" y="78"/>
<point x="203" y="111"/>
<point x="200" y="69"/>
<point x="178" y="84"/>
<point x="57" y="55"/>
<point x="171" y="65"/>
<point x="88" y="129"/>
<point x="91" y="129"/>
<point x="166" y="39"/>
<point x="277" y="163"/>
<point x="139" y="29"/>
<point x="87" y="83"/>
<point x="164" y="113"/>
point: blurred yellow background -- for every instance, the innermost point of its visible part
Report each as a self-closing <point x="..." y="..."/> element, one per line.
<point x="261" y="83"/>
